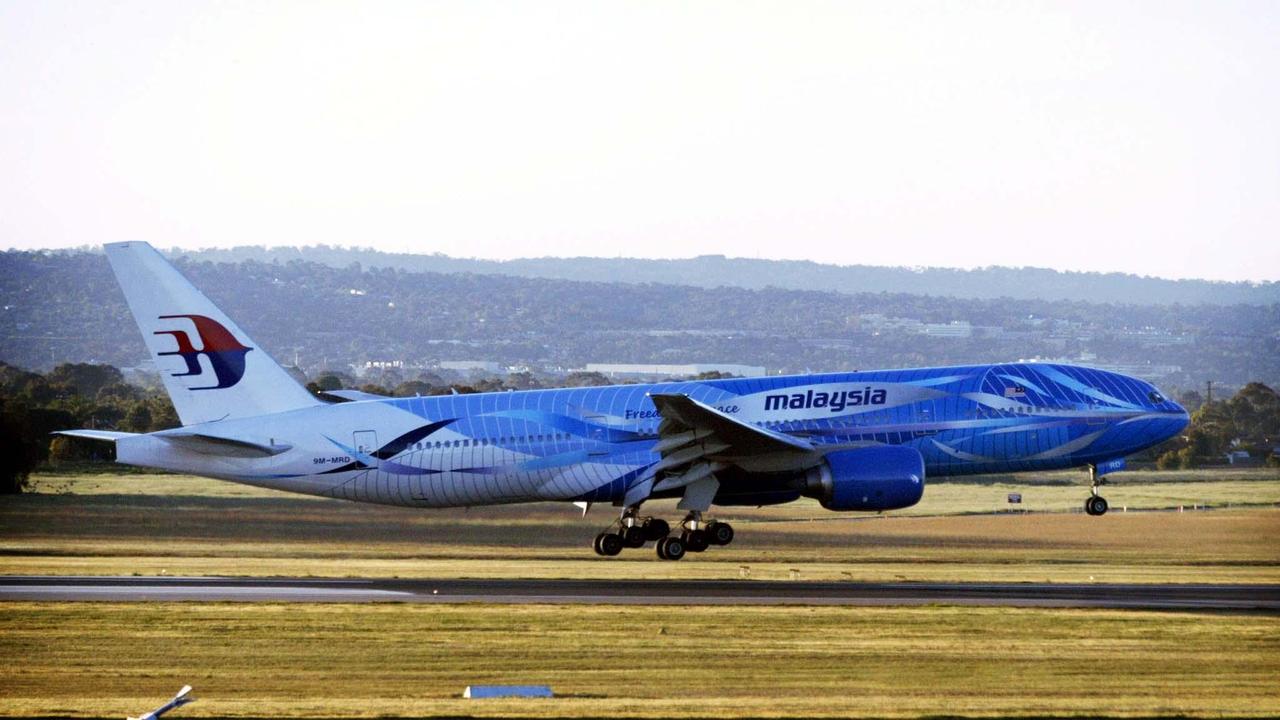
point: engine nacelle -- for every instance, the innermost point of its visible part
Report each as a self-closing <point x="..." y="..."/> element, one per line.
<point x="881" y="477"/>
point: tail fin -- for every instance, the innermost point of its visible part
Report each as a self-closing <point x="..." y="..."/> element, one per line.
<point x="211" y="369"/>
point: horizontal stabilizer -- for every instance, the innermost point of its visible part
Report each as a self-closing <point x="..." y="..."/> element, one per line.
<point x="95" y="434"/>
<point x="354" y="395"/>
<point x="207" y="444"/>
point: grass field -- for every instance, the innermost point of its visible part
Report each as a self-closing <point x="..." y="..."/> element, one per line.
<point x="153" y="524"/>
<point x="275" y="660"/>
<point x="404" y="660"/>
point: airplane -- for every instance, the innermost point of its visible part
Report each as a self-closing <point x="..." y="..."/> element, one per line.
<point x="855" y="441"/>
<point x="178" y="701"/>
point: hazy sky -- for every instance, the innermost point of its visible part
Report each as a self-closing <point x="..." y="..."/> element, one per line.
<point x="1139" y="137"/>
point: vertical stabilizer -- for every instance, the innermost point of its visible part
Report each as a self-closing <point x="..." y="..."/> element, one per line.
<point x="210" y="367"/>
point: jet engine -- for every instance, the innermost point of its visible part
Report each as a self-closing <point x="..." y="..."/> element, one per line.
<point x="880" y="477"/>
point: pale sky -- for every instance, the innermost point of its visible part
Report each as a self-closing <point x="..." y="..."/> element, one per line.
<point x="1113" y="136"/>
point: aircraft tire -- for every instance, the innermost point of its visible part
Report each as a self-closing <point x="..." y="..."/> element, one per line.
<point x="671" y="548"/>
<point x="656" y="528"/>
<point x="719" y="533"/>
<point x="1096" y="505"/>
<point x="695" y="540"/>
<point x="608" y="544"/>
<point x="634" y="536"/>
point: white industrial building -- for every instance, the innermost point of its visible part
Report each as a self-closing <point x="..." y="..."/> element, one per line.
<point x="642" y="370"/>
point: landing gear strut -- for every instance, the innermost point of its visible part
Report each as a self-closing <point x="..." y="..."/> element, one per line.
<point x="1095" y="504"/>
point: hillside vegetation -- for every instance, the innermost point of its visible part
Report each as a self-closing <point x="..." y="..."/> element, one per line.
<point x="711" y="271"/>
<point x="66" y="307"/>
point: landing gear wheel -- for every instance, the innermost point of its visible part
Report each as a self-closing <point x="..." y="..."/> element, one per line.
<point x="719" y="533"/>
<point x="695" y="540"/>
<point x="656" y="528"/>
<point x="608" y="544"/>
<point x="671" y="548"/>
<point x="634" y="536"/>
<point x="1096" y="505"/>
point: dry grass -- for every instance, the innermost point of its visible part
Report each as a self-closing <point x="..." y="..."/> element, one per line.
<point x="274" y="660"/>
<point x="183" y="525"/>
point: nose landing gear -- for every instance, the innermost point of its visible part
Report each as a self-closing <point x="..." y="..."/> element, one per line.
<point x="1095" y="504"/>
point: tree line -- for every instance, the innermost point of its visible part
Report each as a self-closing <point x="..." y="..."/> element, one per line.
<point x="1248" y="421"/>
<point x="712" y="271"/>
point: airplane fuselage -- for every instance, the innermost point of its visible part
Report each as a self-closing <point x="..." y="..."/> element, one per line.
<point x="595" y="444"/>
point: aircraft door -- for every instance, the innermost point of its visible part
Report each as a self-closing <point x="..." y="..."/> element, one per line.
<point x="365" y="442"/>
<point x="598" y="424"/>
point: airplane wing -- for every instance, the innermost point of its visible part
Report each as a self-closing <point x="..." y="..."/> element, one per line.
<point x="682" y="414"/>
<point x="696" y="441"/>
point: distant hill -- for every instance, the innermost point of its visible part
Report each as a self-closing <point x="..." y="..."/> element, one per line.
<point x="711" y="271"/>
<point x="66" y="307"/>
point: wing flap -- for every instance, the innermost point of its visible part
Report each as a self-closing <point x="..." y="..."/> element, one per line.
<point x="696" y="442"/>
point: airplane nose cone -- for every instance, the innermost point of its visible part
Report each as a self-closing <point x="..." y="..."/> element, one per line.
<point x="1170" y="423"/>
<point x="1149" y="430"/>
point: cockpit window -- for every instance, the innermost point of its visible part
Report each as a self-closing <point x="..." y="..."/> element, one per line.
<point x="1155" y="397"/>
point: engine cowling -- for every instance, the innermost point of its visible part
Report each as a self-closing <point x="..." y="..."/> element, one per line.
<point x="882" y="477"/>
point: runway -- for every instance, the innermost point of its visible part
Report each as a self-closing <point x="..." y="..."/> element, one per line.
<point x="638" y="592"/>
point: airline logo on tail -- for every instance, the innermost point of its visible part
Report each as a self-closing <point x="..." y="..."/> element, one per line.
<point x="224" y="351"/>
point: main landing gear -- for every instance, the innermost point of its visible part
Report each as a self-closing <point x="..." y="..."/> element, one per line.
<point x="634" y="531"/>
<point x="1095" y="504"/>
<point x="696" y="536"/>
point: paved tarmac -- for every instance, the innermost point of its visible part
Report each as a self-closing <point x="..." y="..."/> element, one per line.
<point x="639" y="592"/>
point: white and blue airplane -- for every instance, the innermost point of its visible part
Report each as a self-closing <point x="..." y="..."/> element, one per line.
<point x="854" y="441"/>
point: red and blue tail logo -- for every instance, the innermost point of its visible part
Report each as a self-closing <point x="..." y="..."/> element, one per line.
<point x="225" y="352"/>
